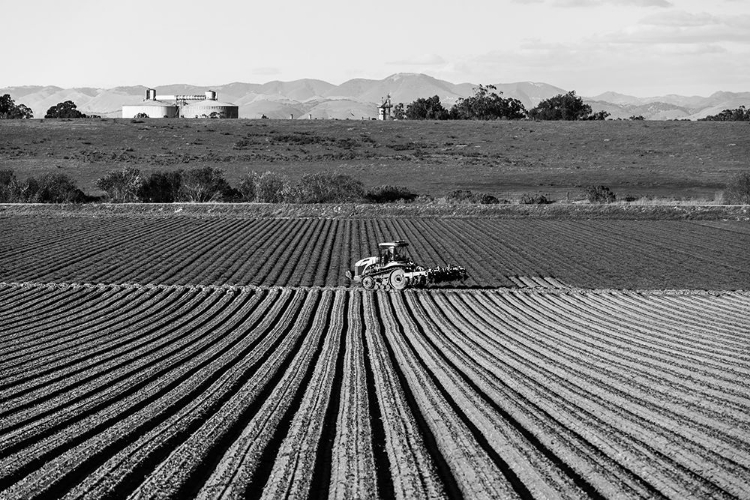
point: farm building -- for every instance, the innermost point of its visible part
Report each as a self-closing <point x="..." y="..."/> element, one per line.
<point x="152" y="109"/>
<point x="210" y="107"/>
<point x="174" y="106"/>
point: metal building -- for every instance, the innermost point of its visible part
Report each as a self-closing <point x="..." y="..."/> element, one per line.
<point x="205" y="106"/>
<point x="210" y="107"/>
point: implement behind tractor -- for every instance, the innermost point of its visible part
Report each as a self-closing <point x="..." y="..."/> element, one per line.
<point x="394" y="269"/>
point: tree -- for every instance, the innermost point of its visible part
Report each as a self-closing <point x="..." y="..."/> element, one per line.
<point x="561" y="107"/>
<point x="729" y="115"/>
<point x="65" y="109"/>
<point x="9" y="110"/>
<point x="121" y="186"/>
<point x="599" y="115"/>
<point x="398" y="111"/>
<point x="426" y="109"/>
<point x="487" y="105"/>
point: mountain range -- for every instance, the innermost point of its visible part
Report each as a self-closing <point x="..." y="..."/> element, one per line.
<point x="359" y="98"/>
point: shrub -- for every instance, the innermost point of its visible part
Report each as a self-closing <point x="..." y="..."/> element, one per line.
<point x="247" y="187"/>
<point x="8" y="186"/>
<point x="738" y="190"/>
<point x="390" y="194"/>
<point x="460" y="195"/>
<point x="535" y="199"/>
<point x="487" y="199"/>
<point x="204" y="184"/>
<point x="121" y="186"/>
<point x="161" y="187"/>
<point x="52" y="188"/>
<point x="599" y="194"/>
<point x="326" y="188"/>
<point x="270" y="187"/>
<point x="466" y="196"/>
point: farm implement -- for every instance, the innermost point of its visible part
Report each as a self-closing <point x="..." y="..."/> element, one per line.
<point x="394" y="269"/>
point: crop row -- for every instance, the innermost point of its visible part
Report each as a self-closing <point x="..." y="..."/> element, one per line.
<point x="177" y="392"/>
<point x="317" y="252"/>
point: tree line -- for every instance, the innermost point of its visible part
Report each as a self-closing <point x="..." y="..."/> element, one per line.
<point x="488" y="104"/>
<point x="730" y="115"/>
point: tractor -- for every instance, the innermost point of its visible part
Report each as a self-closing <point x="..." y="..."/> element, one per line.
<point x="394" y="269"/>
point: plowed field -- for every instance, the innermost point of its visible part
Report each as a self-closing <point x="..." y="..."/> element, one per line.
<point x="621" y="254"/>
<point x="220" y="392"/>
<point x="179" y="357"/>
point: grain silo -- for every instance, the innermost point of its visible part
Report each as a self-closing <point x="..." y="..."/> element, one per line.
<point x="151" y="108"/>
<point x="210" y="108"/>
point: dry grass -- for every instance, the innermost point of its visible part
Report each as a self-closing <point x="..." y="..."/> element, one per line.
<point x="508" y="159"/>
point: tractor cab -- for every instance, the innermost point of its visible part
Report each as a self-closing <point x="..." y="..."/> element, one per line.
<point x="394" y="251"/>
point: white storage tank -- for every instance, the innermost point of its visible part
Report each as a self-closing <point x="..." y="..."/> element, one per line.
<point x="211" y="108"/>
<point x="151" y="108"/>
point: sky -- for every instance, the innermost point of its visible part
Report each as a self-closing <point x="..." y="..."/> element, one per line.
<point x="643" y="48"/>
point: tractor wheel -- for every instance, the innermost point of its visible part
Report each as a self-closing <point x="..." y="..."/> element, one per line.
<point x="368" y="283"/>
<point x="397" y="279"/>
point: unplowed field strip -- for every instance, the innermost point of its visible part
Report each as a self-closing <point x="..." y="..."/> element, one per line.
<point x="616" y="254"/>
<point x="179" y="391"/>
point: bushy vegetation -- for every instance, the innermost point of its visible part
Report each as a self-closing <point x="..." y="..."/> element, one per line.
<point x="48" y="188"/>
<point x="738" y="190"/>
<point x="565" y="107"/>
<point x="467" y="196"/>
<point x="161" y="187"/>
<point x="197" y="185"/>
<point x="65" y="109"/>
<point x="730" y="115"/>
<point x="270" y="187"/>
<point x="535" y="199"/>
<point x="121" y="186"/>
<point x="10" y="111"/>
<point x="427" y="109"/>
<point x="390" y="194"/>
<point x="326" y="188"/>
<point x="599" y="194"/>
<point x="205" y="184"/>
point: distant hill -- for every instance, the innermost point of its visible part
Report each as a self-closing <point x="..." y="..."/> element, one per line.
<point x="358" y="98"/>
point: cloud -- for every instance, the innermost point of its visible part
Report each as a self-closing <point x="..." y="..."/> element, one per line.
<point x="419" y="60"/>
<point x="680" y="18"/>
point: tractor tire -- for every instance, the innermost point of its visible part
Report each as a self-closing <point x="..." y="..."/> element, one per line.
<point x="397" y="279"/>
<point x="368" y="283"/>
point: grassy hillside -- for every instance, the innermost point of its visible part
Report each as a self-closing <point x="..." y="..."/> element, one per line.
<point x="677" y="159"/>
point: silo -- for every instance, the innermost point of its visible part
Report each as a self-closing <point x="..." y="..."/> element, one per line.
<point x="211" y="108"/>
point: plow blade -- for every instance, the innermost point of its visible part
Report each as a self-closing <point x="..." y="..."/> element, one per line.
<point x="441" y="274"/>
